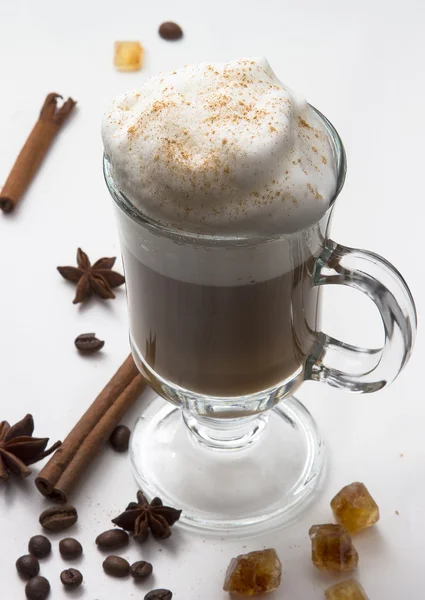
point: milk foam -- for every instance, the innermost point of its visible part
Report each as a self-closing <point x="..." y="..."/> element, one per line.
<point x="203" y="262"/>
<point x="223" y="149"/>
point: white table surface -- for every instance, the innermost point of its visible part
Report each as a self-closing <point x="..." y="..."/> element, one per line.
<point x="361" y="63"/>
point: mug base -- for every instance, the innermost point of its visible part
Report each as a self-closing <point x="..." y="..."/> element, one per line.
<point x="248" y="490"/>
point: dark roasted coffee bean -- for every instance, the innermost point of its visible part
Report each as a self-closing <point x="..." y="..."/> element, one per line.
<point x="70" y="548"/>
<point x="58" y="517"/>
<point x="141" y="569"/>
<point x="119" y="438"/>
<point x="116" y="566"/>
<point x="37" y="588"/>
<point x="27" y="566"/>
<point x="170" y="31"/>
<point x="39" y="546"/>
<point x="159" y="595"/>
<point x="112" y="539"/>
<point x="88" y="343"/>
<point x="71" y="578"/>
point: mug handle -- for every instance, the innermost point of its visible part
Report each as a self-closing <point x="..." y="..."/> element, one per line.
<point x="352" y="368"/>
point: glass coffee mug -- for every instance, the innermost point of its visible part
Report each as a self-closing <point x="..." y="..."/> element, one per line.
<point x="226" y="328"/>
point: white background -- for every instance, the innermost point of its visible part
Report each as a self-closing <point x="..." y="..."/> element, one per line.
<point x="361" y="63"/>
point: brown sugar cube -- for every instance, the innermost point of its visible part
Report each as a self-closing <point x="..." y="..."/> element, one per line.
<point x="128" y="56"/>
<point x="254" y="573"/>
<point x="354" y="508"/>
<point x="332" y="548"/>
<point x="350" y="589"/>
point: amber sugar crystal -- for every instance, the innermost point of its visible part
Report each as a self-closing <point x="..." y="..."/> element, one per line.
<point x="332" y="548"/>
<point x="254" y="573"/>
<point x="350" y="589"/>
<point x="128" y="56"/>
<point x="354" y="508"/>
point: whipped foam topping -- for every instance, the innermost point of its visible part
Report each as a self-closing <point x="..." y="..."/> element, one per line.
<point x="221" y="148"/>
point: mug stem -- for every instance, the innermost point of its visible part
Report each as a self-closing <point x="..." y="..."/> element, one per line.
<point x="228" y="433"/>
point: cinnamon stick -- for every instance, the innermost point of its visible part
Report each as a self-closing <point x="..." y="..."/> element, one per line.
<point x="57" y="479"/>
<point x="35" y="148"/>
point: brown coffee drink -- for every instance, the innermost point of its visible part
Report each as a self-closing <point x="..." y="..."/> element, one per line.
<point x="222" y="340"/>
<point x="222" y="174"/>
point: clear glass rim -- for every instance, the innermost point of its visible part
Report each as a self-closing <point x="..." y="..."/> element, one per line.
<point x="135" y="214"/>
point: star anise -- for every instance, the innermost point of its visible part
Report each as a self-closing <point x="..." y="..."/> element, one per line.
<point x="18" y="448"/>
<point x="92" y="279"/>
<point x="141" y="516"/>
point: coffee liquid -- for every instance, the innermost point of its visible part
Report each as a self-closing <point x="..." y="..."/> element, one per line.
<point x="222" y="340"/>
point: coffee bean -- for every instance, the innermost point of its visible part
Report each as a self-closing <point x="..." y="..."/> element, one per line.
<point x="119" y="438"/>
<point x="159" y="595"/>
<point x="58" y="517"/>
<point x="71" y="578"/>
<point x="170" y="31"/>
<point x="116" y="566"/>
<point x="88" y="343"/>
<point x="39" y="546"/>
<point x="37" y="588"/>
<point x="141" y="569"/>
<point x="112" y="539"/>
<point x="27" y="566"/>
<point x="70" y="548"/>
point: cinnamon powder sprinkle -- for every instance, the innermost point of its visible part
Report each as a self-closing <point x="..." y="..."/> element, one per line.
<point x="200" y="157"/>
<point x="304" y="123"/>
